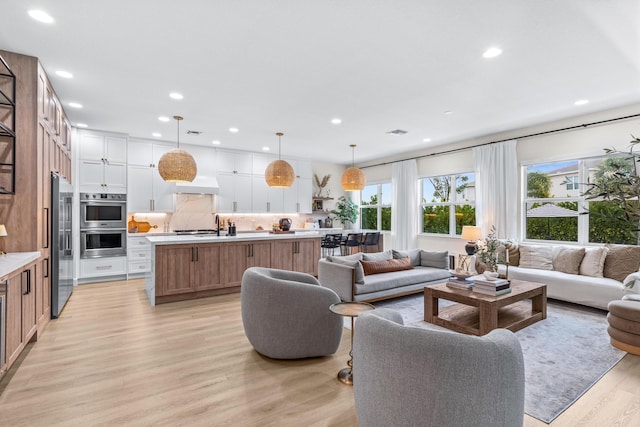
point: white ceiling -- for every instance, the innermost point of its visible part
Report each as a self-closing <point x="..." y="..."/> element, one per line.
<point x="293" y="65"/>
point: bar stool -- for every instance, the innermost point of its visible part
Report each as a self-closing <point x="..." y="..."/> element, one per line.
<point x="371" y="239"/>
<point x="353" y="240"/>
<point x="329" y="243"/>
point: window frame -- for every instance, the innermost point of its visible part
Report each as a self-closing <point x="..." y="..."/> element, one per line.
<point x="378" y="206"/>
<point x="452" y="204"/>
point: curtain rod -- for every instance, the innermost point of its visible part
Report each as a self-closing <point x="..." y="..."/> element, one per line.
<point x="453" y="150"/>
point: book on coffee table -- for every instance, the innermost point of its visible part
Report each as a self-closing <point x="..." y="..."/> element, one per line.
<point x="459" y="284"/>
<point x="491" y="292"/>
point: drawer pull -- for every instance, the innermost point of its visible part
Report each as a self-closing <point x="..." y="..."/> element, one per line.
<point x="103" y="267"/>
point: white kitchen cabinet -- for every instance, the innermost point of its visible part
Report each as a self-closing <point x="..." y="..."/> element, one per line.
<point x="107" y="266"/>
<point x="103" y="162"/>
<point x="298" y="198"/>
<point x="138" y="255"/>
<point x="266" y="199"/>
<point x="234" y="162"/>
<point x="146" y="190"/>
<point x="235" y="193"/>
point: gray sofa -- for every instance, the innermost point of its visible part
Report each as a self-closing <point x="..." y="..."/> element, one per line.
<point x="346" y="275"/>
<point x="286" y="314"/>
<point x="407" y="376"/>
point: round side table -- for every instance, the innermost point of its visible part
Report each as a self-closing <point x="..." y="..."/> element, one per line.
<point x="352" y="310"/>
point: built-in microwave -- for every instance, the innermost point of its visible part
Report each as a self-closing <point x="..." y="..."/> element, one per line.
<point x="99" y="210"/>
<point x="103" y="243"/>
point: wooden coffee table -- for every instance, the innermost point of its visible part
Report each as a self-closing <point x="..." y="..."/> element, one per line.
<point x="479" y="314"/>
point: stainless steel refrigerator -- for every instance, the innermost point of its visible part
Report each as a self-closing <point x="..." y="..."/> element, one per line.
<point x="61" y="243"/>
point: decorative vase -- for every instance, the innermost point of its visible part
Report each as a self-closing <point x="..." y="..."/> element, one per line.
<point x="490" y="275"/>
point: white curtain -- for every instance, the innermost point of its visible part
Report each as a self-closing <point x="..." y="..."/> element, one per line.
<point x="404" y="216"/>
<point x="496" y="169"/>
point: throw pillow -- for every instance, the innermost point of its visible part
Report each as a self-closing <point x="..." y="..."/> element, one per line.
<point x="538" y="257"/>
<point x="593" y="262"/>
<point x="434" y="259"/>
<point x="377" y="256"/>
<point x="351" y="261"/>
<point x="567" y="259"/>
<point x="621" y="261"/>
<point x="377" y="267"/>
<point x="413" y="254"/>
<point x="514" y="253"/>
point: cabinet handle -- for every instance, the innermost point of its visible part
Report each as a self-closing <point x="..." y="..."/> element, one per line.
<point x="150" y="204"/>
<point x="103" y="267"/>
<point x="268" y="206"/>
<point x="150" y="165"/>
<point x="235" y="206"/>
<point x="46" y="227"/>
<point x="193" y="254"/>
<point x="153" y="205"/>
<point x="298" y="207"/>
<point x="46" y="274"/>
<point x="252" y="250"/>
<point x="197" y="254"/>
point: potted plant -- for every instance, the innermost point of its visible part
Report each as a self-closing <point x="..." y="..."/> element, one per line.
<point x="346" y="211"/>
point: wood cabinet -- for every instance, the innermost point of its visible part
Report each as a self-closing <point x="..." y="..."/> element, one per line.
<point x="188" y="268"/>
<point x="185" y="271"/>
<point x="103" y="162"/>
<point x="297" y="255"/>
<point x="21" y="311"/>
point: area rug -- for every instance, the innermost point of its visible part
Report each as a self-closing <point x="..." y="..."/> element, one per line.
<point x="564" y="355"/>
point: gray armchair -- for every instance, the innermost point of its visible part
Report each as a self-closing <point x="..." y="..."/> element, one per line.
<point x="407" y="376"/>
<point x="286" y="314"/>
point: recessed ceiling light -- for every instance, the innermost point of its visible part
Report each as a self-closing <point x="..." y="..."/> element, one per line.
<point x="41" y="15"/>
<point x="448" y="112"/>
<point x="426" y="140"/>
<point x="176" y="95"/>
<point x="65" y="74"/>
<point x="74" y="105"/>
<point x="82" y="125"/>
<point x="336" y="121"/>
<point x="216" y="142"/>
<point x="163" y="118"/>
<point x="156" y="134"/>
<point x="492" y="52"/>
<point x="581" y="102"/>
<point x="233" y="130"/>
<point x="265" y="148"/>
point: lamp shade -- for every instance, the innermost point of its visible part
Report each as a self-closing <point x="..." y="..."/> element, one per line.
<point x="177" y="165"/>
<point x="353" y="179"/>
<point x="3" y="230"/>
<point x="471" y="232"/>
<point x="279" y="174"/>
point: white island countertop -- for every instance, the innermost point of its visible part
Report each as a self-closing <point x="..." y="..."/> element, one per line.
<point x="13" y="261"/>
<point x="240" y="237"/>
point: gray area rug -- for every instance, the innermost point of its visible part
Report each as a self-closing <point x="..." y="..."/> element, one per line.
<point x="564" y="355"/>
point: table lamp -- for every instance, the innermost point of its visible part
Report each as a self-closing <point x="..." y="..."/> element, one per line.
<point x="471" y="233"/>
<point x="3" y="233"/>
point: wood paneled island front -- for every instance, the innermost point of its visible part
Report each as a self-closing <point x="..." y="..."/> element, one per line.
<point x="198" y="266"/>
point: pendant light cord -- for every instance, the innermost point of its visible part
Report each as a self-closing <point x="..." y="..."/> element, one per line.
<point x="279" y="145"/>
<point x="178" y="118"/>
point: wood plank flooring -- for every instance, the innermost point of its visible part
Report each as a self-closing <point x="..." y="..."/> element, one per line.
<point x="111" y="359"/>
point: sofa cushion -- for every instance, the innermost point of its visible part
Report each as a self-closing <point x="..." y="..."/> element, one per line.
<point x="621" y="261"/>
<point x="434" y="259"/>
<point x="538" y="257"/>
<point x="413" y="254"/>
<point x="377" y="256"/>
<point x="514" y="253"/>
<point x="397" y="279"/>
<point x="593" y="262"/>
<point x="567" y="259"/>
<point x="378" y="267"/>
<point x="351" y="261"/>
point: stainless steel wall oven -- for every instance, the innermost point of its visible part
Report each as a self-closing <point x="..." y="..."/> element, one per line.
<point x="103" y="243"/>
<point x="99" y="210"/>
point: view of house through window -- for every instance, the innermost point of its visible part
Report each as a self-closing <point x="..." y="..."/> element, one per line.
<point x="557" y="210"/>
<point x="375" y="207"/>
<point x="448" y="203"/>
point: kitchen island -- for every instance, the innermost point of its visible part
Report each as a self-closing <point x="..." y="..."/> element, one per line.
<point x="197" y="266"/>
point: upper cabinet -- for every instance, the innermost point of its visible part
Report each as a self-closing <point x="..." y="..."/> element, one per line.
<point x="146" y="190"/>
<point x="103" y="162"/>
<point x="234" y="162"/>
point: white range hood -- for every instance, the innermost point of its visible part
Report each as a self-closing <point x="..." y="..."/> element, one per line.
<point x="200" y="185"/>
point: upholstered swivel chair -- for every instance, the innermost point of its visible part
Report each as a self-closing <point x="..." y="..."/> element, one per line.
<point x="405" y="376"/>
<point x="624" y="323"/>
<point x="286" y="314"/>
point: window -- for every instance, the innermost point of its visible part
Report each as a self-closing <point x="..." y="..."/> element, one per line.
<point x="375" y="207"/>
<point x="555" y="208"/>
<point x="448" y="203"/>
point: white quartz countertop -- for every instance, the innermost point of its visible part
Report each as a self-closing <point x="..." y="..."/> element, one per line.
<point x="209" y="238"/>
<point x="16" y="260"/>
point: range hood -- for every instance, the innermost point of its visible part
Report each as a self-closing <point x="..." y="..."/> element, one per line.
<point x="200" y="185"/>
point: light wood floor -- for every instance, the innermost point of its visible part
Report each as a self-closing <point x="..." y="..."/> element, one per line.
<point x="112" y="360"/>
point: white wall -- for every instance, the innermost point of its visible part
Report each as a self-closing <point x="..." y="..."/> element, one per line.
<point x="577" y="143"/>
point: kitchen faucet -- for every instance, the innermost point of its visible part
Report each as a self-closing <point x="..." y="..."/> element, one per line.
<point x="217" y="225"/>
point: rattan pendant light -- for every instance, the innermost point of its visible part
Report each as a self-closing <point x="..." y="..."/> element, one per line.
<point x="279" y="173"/>
<point x="353" y="179"/>
<point x="177" y="165"/>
